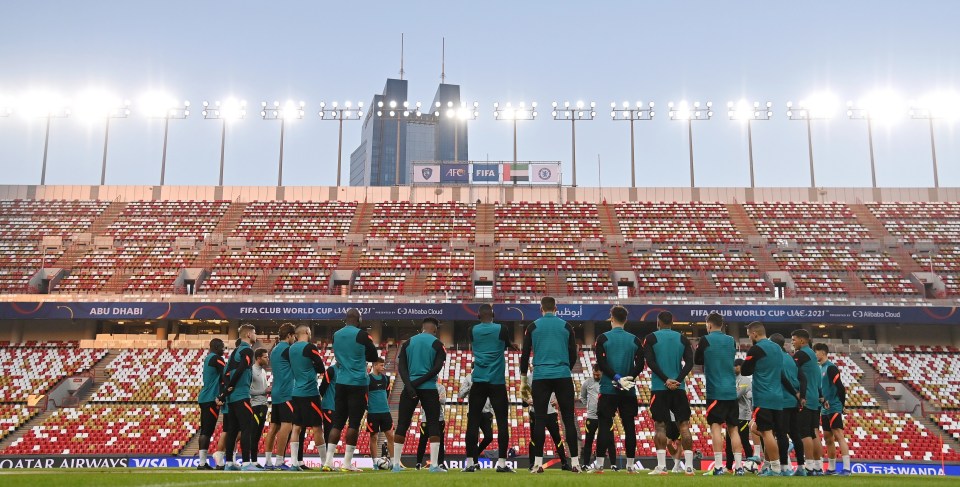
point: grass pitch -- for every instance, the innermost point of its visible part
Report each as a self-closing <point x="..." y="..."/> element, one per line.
<point x="183" y="477"/>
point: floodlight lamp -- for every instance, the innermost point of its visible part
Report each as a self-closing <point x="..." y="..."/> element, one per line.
<point x="158" y="105"/>
<point x="554" y="104"/>
<point x="942" y="105"/>
<point x="379" y="104"/>
<point x="406" y="104"/>
<point x="884" y="106"/>
<point x="347" y="104"/>
<point x="496" y="105"/>
<point x="534" y="104"/>
<point x="393" y="104"/>
<point x="579" y="104"/>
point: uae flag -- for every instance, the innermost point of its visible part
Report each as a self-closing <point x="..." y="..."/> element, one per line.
<point x="516" y="172"/>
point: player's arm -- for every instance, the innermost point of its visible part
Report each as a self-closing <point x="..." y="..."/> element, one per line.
<point x="402" y="367"/>
<point x="506" y="339"/>
<point x="687" y="359"/>
<point x="750" y="362"/>
<point x="363" y="338"/>
<point x="833" y="373"/>
<point x="637" y="358"/>
<point x="602" y="362"/>
<point x="801" y="358"/>
<point x="438" y="360"/>
<point x="246" y="359"/>
<point x="572" y="347"/>
<point x="698" y="356"/>
<point x="326" y="381"/>
<point x="743" y="390"/>
<point x="787" y="386"/>
<point x="651" y="357"/>
<point x="583" y="392"/>
<point x="316" y="358"/>
<point x="526" y="349"/>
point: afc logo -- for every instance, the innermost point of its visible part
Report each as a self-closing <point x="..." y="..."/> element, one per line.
<point x="456" y="173"/>
<point x="544" y="173"/>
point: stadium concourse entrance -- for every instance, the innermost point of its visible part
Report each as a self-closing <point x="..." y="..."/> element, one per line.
<point x="453" y="333"/>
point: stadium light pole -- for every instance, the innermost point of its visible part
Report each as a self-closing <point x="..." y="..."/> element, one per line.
<point x="95" y="105"/>
<point x="392" y="110"/>
<point x="943" y="106"/>
<point x="631" y="114"/>
<point x="574" y="113"/>
<point x="231" y="109"/>
<point x="459" y="115"/>
<point x="746" y="112"/>
<point x="160" y="105"/>
<point x="46" y="106"/>
<point x="819" y="106"/>
<point x="289" y="111"/>
<point x="683" y="111"/>
<point x="880" y="106"/>
<point x="521" y="112"/>
<point x="340" y="112"/>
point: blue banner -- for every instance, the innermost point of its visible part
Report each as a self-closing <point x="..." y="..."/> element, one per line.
<point x="454" y="173"/>
<point x="467" y="311"/>
<point x="859" y="468"/>
<point x="486" y="173"/>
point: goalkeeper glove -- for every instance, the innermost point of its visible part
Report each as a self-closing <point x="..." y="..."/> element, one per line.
<point x="525" y="392"/>
<point x="626" y="383"/>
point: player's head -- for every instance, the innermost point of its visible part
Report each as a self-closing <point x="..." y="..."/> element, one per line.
<point x="596" y="371"/>
<point x="485" y="313"/>
<point x="618" y="315"/>
<point x="378" y="366"/>
<point x="821" y="349"/>
<point x="216" y="346"/>
<point x="304" y="333"/>
<point x="430" y="325"/>
<point x="801" y="338"/>
<point x="779" y="340"/>
<point x="714" y="322"/>
<point x="287" y="333"/>
<point x="248" y="333"/>
<point x="548" y="304"/>
<point x="262" y="357"/>
<point x="737" y="364"/>
<point x="665" y="319"/>
<point x="352" y="317"/>
<point x="756" y="331"/>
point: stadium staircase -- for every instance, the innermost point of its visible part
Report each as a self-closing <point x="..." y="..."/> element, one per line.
<point x="117" y="282"/>
<point x="25" y="427"/>
<point x="555" y="284"/>
<point x="415" y="284"/>
<point x="742" y="221"/>
<point x="230" y="219"/>
<point x="264" y="282"/>
<point x="609" y="223"/>
<point x="361" y="219"/>
<point x="98" y="227"/>
<point x="855" y="287"/>
<point x="899" y="255"/>
<point x="703" y="285"/>
<point x="486" y="222"/>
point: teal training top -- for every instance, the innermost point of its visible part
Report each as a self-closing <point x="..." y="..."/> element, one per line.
<point x="421" y="359"/>
<point x="806" y="360"/>
<point x="377" y="397"/>
<point x="716" y="353"/>
<point x="328" y="389"/>
<point x="833" y="390"/>
<point x="306" y="362"/>
<point x="241" y="372"/>
<point x="212" y="373"/>
<point x="353" y="348"/>
<point x="663" y="351"/>
<point x="619" y="352"/>
<point x="489" y="340"/>
<point x="553" y="345"/>
<point x="790" y="372"/>
<point x="765" y="363"/>
<point x="282" y="389"/>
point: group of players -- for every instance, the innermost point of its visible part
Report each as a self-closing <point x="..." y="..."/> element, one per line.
<point x="769" y="394"/>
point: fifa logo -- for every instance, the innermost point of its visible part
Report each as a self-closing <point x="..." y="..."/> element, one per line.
<point x="486" y="173"/>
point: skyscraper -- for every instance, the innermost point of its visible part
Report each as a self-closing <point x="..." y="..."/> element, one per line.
<point x="437" y="135"/>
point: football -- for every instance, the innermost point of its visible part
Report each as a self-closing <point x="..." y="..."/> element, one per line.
<point x="382" y="463"/>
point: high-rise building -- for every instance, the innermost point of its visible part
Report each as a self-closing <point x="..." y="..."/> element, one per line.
<point x="436" y="135"/>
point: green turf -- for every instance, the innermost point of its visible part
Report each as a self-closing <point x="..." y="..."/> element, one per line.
<point x="177" y="477"/>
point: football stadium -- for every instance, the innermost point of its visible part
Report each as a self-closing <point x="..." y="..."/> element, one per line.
<point x="414" y="309"/>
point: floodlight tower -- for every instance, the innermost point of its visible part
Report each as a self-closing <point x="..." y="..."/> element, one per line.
<point x="942" y="106"/>
<point x="459" y="115"/>
<point x="521" y="112"/>
<point x="743" y="111"/>
<point x="162" y="105"/>
<point x="231" y="109"/>
<point x="631" y="114"/>
<point x="46" y="106"/>
<point x="574" y="113"/>
<point x="819" y="106"/>
<point x="95" y="105"/>
<point x="338" y="112"/>
<point x="290" y="111"/>
<point x="684" y="111"/>
<point x="881" y="106"/>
